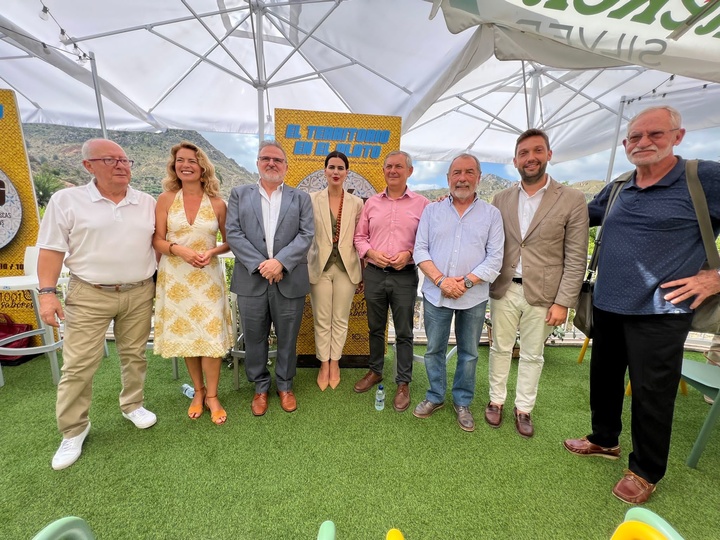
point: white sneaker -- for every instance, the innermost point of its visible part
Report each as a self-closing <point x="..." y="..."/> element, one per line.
<point x="142" y="418"/>
<point x="69" y="451"/>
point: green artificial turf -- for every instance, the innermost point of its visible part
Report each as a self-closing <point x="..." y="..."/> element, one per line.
<point x="280" y="476"/>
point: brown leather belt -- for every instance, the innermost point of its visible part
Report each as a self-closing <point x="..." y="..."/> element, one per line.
<point x="117" y="287"/>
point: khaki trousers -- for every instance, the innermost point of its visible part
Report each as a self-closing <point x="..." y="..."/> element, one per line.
<point x="88" y="313"/>
<point x="331" y="299"/>
<point x="510" y="314"/>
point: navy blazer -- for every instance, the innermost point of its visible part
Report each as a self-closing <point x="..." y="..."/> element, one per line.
<point x="246" y="236"/>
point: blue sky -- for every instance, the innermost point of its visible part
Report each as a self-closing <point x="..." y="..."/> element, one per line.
<point x="703" y="144"/>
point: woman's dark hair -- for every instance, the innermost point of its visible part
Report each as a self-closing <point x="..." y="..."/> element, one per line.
<point x="336" y="154"/>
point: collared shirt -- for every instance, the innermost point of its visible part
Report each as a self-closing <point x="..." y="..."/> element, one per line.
<point x="459" y="245"/>
<point x="651" y="236"/>
<point x="106" y="242"/>
<point x="527" y="206"/>
<point x="271" y="212"/>
<point x="389" y="225"/>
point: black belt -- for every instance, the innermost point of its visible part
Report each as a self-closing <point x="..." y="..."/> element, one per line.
<point x="517" y="280"/>
<point x="391" y="270"/>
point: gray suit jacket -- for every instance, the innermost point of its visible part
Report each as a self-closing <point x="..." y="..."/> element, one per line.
<point x="246" y="236"/>
<point x="554" y="250"/>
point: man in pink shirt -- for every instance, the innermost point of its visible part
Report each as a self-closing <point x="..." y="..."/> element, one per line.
<point x="385" y="238"/>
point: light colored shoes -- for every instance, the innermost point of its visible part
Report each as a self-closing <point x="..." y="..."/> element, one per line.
<point x="141" y="417"/>
<point x="69" y="451"/>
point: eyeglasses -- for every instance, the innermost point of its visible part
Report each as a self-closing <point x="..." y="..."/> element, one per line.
<point x="111" y="161"/>
<point x="268" y="159"/>
<point x="652" y="135"/>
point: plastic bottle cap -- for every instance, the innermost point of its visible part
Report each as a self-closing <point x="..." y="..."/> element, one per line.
<point x="380" y="387"/>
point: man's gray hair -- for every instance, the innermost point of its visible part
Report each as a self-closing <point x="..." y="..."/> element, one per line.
<point x="408" y="158"/>
<point x="465" y="155"/>
<point x="86" y="146"/>
<point x="675" y="116"/>
<point x="276" y="144"/>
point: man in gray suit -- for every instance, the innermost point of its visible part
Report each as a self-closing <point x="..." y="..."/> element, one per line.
<point x="270" y="228"/>
<point x="546" y="239"/>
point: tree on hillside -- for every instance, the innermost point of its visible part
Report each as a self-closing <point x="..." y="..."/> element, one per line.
<point x="46" y="183"/>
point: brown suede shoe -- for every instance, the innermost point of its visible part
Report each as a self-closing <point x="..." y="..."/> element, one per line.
<point x="425" y="408"/>
<point x="367" y="382"/>
<point x="287" y="400"/>
<point x="633" y="489"/>
<point x="259" y="404"/>
<point x="583" y="447"/>
<point x="493" y="415"/>
<point x="465" y="418"/>
<point x="402" y="397"/>
<point x="523" y="424"/>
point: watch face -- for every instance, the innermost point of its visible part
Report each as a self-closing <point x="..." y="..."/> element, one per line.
<point x="468" y="283"/>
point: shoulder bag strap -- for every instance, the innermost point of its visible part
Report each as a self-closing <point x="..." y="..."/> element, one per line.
<point x="614" y="192"/>
<point x="697" y="194"/>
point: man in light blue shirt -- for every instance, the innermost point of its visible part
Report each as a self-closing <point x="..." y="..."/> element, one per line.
<point x="459" y="248"/>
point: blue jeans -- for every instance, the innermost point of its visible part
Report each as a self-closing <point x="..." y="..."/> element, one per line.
<point x="468" y="327"/>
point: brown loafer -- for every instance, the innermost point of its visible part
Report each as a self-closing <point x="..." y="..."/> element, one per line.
<point x="633" y="489"/>
<point x="493" y="415"/>
<point x="465" y="418"/>
<point x="523" y="424"/>
<point x="583" y="447"/>
<point x="425" y="408"/>
<point x="367" y="382"/>
<point x="259" y="404"/>
<point x="402" y="397"/>
<point x="287" y="400"/>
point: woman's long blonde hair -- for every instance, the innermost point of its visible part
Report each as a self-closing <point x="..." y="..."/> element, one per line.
<point x="210" y="183"/>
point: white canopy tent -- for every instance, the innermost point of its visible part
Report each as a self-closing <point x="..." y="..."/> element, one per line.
<point x="221" y="65"/>
<point x="591" y="88"/>
<point x="224" y="65"/>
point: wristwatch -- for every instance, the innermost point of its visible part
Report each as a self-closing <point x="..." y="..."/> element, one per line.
<point x="468" y="282"/>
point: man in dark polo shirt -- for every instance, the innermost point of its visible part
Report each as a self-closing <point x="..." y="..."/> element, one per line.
<point x="648" y="284"/>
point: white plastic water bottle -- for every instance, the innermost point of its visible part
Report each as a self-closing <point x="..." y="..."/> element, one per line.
<point x="188" y="390"/>
<point x="380" y="398"/>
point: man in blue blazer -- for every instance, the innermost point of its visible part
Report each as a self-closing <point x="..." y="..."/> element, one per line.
<point x="270" y="228"/>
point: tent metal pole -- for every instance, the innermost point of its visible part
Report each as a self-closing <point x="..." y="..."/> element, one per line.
<point x="260" y="71"/>
<point x="616" y="137"/>
<point x="98" y="94"/>
<point x="534" y="91"/>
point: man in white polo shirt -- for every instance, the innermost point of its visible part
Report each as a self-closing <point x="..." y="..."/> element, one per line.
<point x="106" y="229"/>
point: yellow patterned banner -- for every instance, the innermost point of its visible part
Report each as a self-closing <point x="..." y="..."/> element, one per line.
<point x="19" y="220"/>
<point x="307" y="137"/>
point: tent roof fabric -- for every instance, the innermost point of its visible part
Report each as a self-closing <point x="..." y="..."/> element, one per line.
<point x="225" y="65"/>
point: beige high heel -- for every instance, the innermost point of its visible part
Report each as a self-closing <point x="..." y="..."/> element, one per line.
<point x="334" y="379"/>
<point x="323" y="376"/>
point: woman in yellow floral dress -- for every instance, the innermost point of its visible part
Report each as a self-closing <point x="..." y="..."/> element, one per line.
<point x="192" y="314"/>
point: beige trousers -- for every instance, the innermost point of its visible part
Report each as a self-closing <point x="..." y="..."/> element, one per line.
<point x="88" y="313"/>
<point x="510" y="314"/>
<point x="331" y="299"/>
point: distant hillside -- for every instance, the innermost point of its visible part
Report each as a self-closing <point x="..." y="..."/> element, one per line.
<point x="56" y="149"/>
<point x="492" y="184"/>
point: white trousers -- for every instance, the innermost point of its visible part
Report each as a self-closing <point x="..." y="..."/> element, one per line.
<point x="508" y="315"/>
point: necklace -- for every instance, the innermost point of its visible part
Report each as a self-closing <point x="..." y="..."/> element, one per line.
<point x="336" y="236"/>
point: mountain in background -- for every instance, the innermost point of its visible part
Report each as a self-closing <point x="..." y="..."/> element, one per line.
<point x="491" y="184"/>
<point x="56" y="150"/>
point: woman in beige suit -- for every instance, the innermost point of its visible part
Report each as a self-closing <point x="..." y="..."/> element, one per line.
<point x="334" y="267"/>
